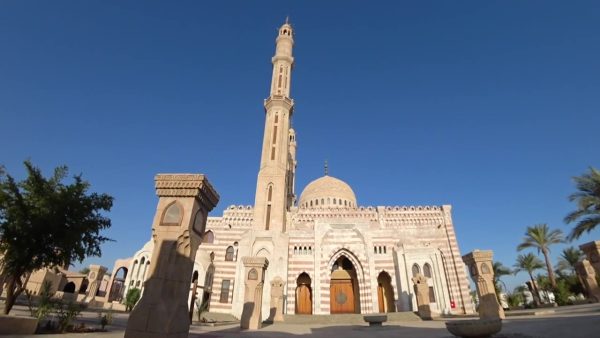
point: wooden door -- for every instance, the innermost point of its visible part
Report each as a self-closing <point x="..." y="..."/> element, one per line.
<point x="341" y="296"/>
<point x="380" y="298"/>
<point x="303" y="300"/>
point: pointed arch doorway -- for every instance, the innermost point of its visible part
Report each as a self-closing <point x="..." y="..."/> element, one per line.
<point x="385" y="293"/>
<point x="303" y="295"/>
<point x="343" y="291"/>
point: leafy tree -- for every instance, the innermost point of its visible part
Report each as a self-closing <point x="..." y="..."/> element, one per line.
<point x="529" y="263"/>
<point x="132" y="297"/>
<point x="45" y="222"/>
<point x="588" y="204"/>
<point x="569" y="258"/>
<point x="84" y="271"/>
<point x="540" y="237"/>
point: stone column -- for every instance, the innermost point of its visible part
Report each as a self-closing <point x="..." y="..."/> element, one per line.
<point x="254" y="279"/>
<point x="179" y="222"/>
<point x="588" y="277"/>
<point x="592" y="251"/>
<point x="422" y="294"/>
<point x="277" y="299"/>
<point x="481" y="269"/>
<point x="95" y="278"/>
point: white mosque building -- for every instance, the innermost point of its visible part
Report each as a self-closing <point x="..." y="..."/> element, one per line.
<point x="334" y="255"/>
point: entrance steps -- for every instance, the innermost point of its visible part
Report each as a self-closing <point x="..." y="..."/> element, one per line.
<point x="350" y="318"/>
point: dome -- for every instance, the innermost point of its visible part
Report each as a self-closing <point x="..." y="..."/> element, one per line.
<point x="328" y="192"/>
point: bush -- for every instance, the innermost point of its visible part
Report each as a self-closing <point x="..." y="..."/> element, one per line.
<point x="514" y="299"/>
<point x="45" y="303"/>
<point x="65" y="314"/>
<point x="562" y="293"/>
<point x="132" y="297"/>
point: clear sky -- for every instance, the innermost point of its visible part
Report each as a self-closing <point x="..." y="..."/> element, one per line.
<point x="490" y="106"/>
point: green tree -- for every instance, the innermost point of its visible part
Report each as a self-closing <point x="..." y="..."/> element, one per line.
<point x="569" y="258"/>
<point x="45" y="222"/>
<point x="84" y="271"/>
<point x="588" y="204"/>
<point x="540" y="237"/>
<point x="132" y="297"/>
<point x="529" y="263"/>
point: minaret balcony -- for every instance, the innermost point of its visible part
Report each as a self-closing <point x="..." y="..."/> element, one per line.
<point x="279" y="100"/>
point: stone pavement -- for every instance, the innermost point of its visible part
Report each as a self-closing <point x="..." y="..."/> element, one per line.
<point x="573" y="321"/>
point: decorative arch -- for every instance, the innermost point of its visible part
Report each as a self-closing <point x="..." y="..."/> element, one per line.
<point x="172" y="215"/>
<point x="304" y="301"/>
<point x="385" y="292"/>
<point x="361" y="287"/>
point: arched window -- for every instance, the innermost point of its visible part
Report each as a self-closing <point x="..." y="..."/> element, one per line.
<point x="322" y="201"/>
<point x="317" y="202"/>
<point x="209" y="237"/>
<point x="345" y="203"/>
<point x="269" y="197"/>
<point x="334" y="201"/>
<point x="427" y="270"/>
<point x="416" y="270"/>
<point x="311" y="203"/>
<point x="172" y="214"/>
<point x="229" y="254"/>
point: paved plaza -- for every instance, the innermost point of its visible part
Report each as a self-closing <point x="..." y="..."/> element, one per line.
<point x="570" y="321"/>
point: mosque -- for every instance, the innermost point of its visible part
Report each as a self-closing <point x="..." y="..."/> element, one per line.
<point x="334" y="255"/>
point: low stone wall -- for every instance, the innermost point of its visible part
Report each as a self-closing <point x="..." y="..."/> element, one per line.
<point x="17" y="325"/>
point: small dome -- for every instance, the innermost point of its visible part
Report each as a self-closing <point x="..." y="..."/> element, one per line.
<point x="328" y="192"/>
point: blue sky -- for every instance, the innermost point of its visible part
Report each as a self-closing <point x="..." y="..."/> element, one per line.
<point x="489" y="106"/>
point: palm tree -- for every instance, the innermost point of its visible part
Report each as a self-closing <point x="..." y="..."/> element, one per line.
<point x="499" y="271"/>
<point x="588" y="203"/>
<point x="569" y="258"/>
<point x="529" y="263"/>
<point x="540" y="237"/>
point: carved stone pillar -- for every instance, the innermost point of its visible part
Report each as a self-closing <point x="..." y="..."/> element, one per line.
<point x="592" y="251"/>
<point x="481" y="269"/>
<point x="179" y="222"/>
<point x="95" y="278"/>
<point x="254" y="280"/>
<point x="588" y="276"/>
<point x="422" y="294"/>
<point x="277" y="299"/>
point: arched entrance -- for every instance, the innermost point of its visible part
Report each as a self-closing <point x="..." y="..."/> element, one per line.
<point x="69" y="287"/>
<point x="118" y="285"/>
<point x="385" y="293"/>
<point x="208" y="282"/>
<point x="344" y="291"/>
<point x="303" y="295"/>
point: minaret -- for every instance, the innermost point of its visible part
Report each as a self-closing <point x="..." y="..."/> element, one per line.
<point x="275" y="183"/>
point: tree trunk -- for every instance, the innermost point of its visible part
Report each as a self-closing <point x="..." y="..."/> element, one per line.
<point x="549" y="267"/>
<point x="10" y="294"/>
<point x="14" y="288"/>
<point x="535" y="293"/>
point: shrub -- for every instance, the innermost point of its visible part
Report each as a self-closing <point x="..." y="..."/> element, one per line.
<point x="105" y="318"/>
<point x="514" y="299"/>
<point x="132" y="297"/>
<point x="562" y="293"/>
<point x="65" y="314"/>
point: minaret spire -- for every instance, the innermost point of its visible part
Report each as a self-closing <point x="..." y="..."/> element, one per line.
<point x="326" y="169"/>
<point x="275" y="183"/>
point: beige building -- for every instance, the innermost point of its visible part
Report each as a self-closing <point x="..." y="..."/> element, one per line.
<point x="334" y="255"/>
